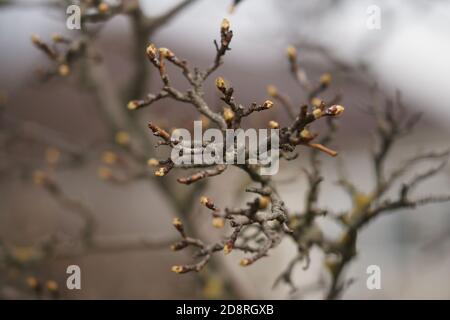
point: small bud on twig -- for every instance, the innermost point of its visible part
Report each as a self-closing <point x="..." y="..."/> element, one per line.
<point x="267" y="104"/>
<point x="122" y="138"/>
<point x="104" y="173"/>
<point x="245" y="262"/>
<point x="220" y="83"/>
<point x="103" y="7"/>
<point x="292" y="53"/>
<point x="325" y="79"/>
<point x="228" y="114"/>
<point x="272" y="91"/>
<point x="263" y="202"/>
<point x="228" y="247"/>
<point x="178" y="224"/>
<point x="218" y="222"/>
<point x="225" y="26"/>
<point x="151" y="51"/>
<point x="273" y="124"/>
<point x="109" y="157"/>
<point x="152" y="162"/>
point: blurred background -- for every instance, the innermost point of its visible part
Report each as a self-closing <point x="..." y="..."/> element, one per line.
<point x="409" y="53"/>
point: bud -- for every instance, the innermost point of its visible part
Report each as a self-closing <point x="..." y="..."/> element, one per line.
<point x="245" y="262"/>
<point x="161" y="172"/>
<point x="204" y="200"/>
<point x="272" y="91"/>
<point x="316" y="102"/>
<point x="291" y="52"/>
<point x="228" y="114"/>
<point x="336" y="110"/>
<point x="317" y="113"/>
<point x="263" y="202"/>
<point x="218" y="222"/>
<point x="267" y="104"/>
<point x="166" y="53"/>
<point x="325" y="79"/>
<point x="225" y="26"/>
<point x="56" y="37"/>
<point x="177" y="224"/>
<point x="32" y="282"/>
<point x="109" y="157"/>
<point x="273" y="124"/>
<point x="220" y="83"/>
<point x="52" y="156"/>
<point x="133" y="105"/>
<point x="36" y="39"/>
<point x="40" y="177"/>
<point x="151" y="51"/>
<point x="178" y="246"/>
<point x="103" y="7"/>
<point x="227" y="248"/>
<point x="51" y="286"/>
<point x="63" y="70"/>
<point x="178" y="269"/>
<point x="306" y="134"/>
<point x="104" y="173"/>
<point x="122" y="138"/>
<point x="152" y="162"/>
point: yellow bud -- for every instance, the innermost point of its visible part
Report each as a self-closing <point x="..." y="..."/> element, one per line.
<point x="52" y="156"/>
<point x="228" y="114"/>
<point x="151" y="50"/>
<point x="361" y="200"/>
<point x="272" y="91"/>
<point x="294" y="223"/>
<point x="204" y="200"/>
<point x="205" y="121"/>
<point x="227" y="248"/>
<point x="218" y="222"/>
<point x="51" y="285"/>
<point x="166" y="53"/>
<point x="32" y="282"/>
<point x="161" y="172"/>
<point x="177" y="269"/>
<point x="103" y="7"/>
<point x="268" y="104"/>
<point x="291" y="52"/>
<point x="263" y="202"/>
<point x="273" y="124"/>
<point x="220" y="83"/>
<point x="317" y="113"/>
<point x="177" y="222"/>
<point x="325" y="79"/>
<point x="39" y="177"/>
<point x="109" y="157"/>
<point x="35" y="39"/>
<point x="305" y="134"/>
<point x="132" y="105"/>
<point x="316" y="102"/>
<point x="336" y="110"/>
<point x="245" y="262"/>
<point x="104" y="173"/>
<point x="122" y="138"/>
<point x="56" y="37"/>
<point x="152" y="162"/>
<point x="225" y="26"/>
<point x="63" y="70"/>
